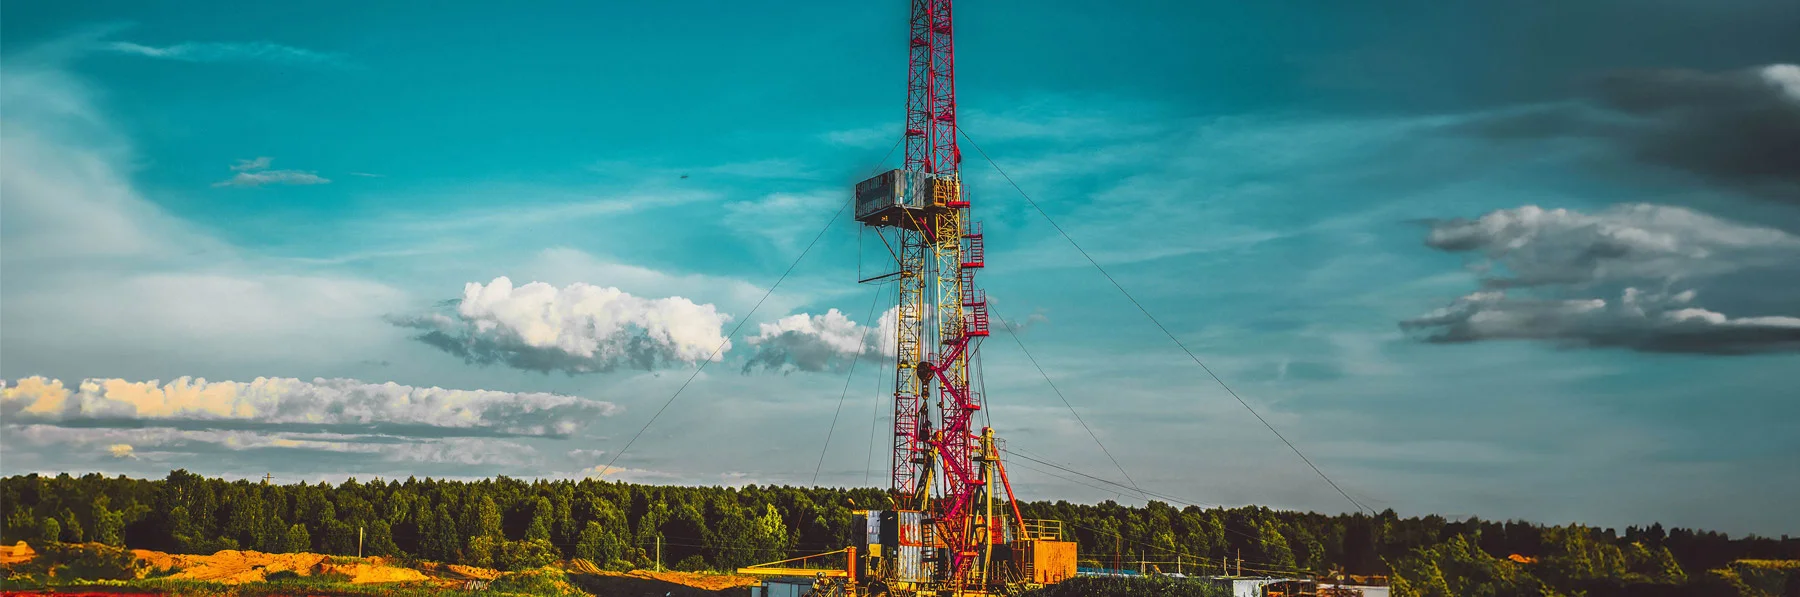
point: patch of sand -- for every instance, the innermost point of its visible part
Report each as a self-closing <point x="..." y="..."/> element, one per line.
<point x="376" y="570"/>
<point x="16" y="554"/>
<point x="698" y="580"/>
<point x="233" y="566"/>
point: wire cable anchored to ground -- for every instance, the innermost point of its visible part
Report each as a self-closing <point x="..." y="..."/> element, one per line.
<point x="740" y="326"/>
<point x="734" y="330"/>
<point x="851" y="376"/>
<point x="1159" y="325"/>
<point x="1065" y="400"/>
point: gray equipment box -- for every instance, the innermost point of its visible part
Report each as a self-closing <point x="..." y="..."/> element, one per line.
<point x="891" y="192"/>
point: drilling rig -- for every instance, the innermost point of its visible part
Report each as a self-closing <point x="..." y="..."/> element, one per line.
<point x="947" y="532"/>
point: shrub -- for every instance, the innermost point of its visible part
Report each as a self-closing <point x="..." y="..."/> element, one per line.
<point x="525" y="555"/>
<point x="92" y="561"/>
<point x="692" y="563"/>
<point x="542" y="581"/>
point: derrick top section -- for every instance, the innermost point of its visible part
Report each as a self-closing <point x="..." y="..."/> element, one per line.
<point x="931" y="91"/>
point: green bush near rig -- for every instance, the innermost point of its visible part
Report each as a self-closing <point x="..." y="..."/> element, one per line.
<point x="548" y="580"/>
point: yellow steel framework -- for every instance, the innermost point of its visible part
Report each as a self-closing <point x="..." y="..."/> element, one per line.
<point x="911" y="391"/>
<point x="947" y="247"/>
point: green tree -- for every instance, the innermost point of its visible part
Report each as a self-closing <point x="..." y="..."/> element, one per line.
<point x="109" y="524"/>
<point x="72" y="531"/>
<point x="51" y="531"/>
<point x="1275" y="550"/>
<point x="599" y="544"/>
<point x="481" y="550"/>
<point x="487" y="518"/>
<point x="1458" y="568"/>
<point x="771" y="535"/>
<point x="542" y="517"/>
<point x="440" y="540"/>
<point x="1669" y="569"/>
<point x="298" y="540"/>
<point x="20" y="523"/>
<point x="340" y="538"/>
<point x="379" y="539"/>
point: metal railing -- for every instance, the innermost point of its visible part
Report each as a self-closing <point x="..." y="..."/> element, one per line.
<point x="1042" y="529"/>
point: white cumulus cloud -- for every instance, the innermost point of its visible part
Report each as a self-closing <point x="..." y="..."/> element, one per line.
<point x="810" y="343"/>
<point x="287" y="403"/>
<point x="578" y="328"/>
<point x="823" y="342"/>
<point x="1785" y="77"/>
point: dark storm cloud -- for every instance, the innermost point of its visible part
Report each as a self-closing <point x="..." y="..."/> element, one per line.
<point x="1636" y="321"/>
<point x="1609" y="278"/>
<point x="1740" y="128"/>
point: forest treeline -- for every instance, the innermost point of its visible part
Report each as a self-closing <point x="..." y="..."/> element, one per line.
<point x="514" y="524"/>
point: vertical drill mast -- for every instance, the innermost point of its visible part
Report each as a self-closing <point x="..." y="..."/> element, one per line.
<point x="942" y="463"/>
<point x="931" y="91"/>
<point x="959" y="316"/>
<point x="944" y="535"/>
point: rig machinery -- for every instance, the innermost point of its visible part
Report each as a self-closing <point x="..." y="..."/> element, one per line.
<point x="948" y="532"/>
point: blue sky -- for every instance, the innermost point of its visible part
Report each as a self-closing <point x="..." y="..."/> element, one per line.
<point x="1588" y="219"/>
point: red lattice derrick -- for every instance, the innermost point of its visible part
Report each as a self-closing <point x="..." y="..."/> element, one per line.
<point x="975" y="321"/>
<point x="975" y="256"/>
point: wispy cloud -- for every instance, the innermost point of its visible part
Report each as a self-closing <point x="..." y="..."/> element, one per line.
<point x="783" y="219"/>
<point x="257" y="179"/>
<point x="868" y="137"/>
<point x="253" y="173"/>
<point x="260" y="51"/>
<point x="368" y="175"/>
<point x="760" y="169"/>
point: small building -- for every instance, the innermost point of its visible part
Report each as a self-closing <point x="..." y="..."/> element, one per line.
<point x="782" y="587"/>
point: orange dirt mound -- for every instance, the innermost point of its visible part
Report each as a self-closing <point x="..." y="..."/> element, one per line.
<point x="233" y="566"/>
<point x="376" y="570"/>
<point x="16" y="554"/>
<point x="474" y="572"/>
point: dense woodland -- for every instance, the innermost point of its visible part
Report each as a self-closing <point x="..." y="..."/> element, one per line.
<point x="514" y="524"/>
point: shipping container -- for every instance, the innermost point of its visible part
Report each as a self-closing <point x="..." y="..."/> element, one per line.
<point x="903" y="528"/>
<point x="1045" y="562"/>
<point x="892" y="190"/>
<point x="913" y="563"/>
